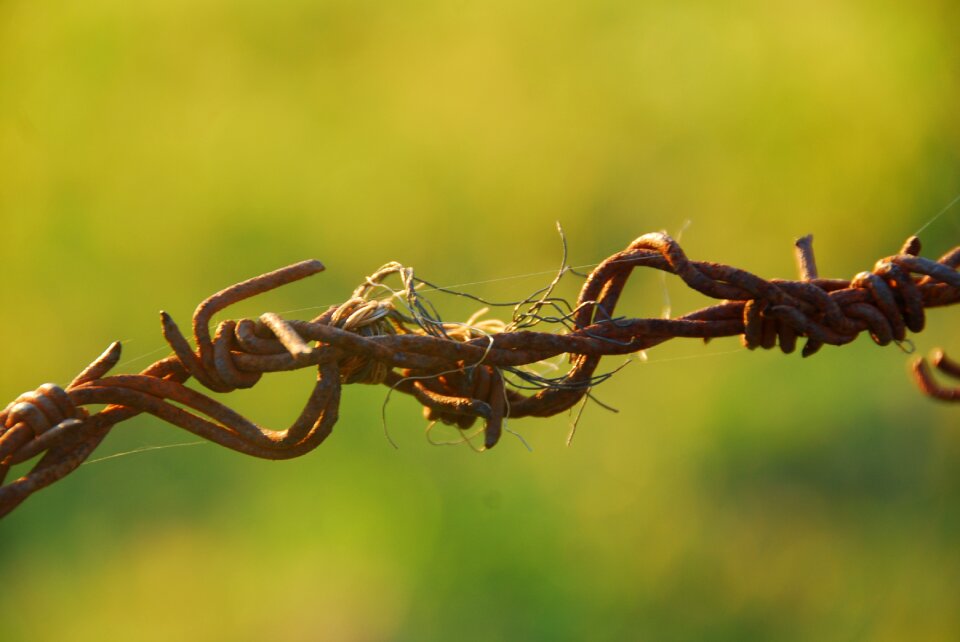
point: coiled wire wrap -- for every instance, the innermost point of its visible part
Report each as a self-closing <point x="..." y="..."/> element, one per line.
<point x="459" y="372"/>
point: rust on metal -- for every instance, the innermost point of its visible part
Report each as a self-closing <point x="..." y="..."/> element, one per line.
<point x="460" y="372"/>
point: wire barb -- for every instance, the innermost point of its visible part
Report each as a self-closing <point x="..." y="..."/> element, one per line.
<point x="460" y="372"/>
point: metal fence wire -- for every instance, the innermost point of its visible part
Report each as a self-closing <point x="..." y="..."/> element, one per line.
<point x="460" y="372"/>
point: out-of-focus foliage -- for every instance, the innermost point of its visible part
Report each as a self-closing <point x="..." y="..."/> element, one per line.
<point x="153" y="152"/>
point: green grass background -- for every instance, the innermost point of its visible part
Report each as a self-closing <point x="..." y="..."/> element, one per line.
<point x="154" y="152"/>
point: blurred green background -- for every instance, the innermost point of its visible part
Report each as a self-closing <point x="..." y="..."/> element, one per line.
<point x="154" y="152"/>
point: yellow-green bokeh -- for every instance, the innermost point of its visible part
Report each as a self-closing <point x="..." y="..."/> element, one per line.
<point x="154" y="152"/>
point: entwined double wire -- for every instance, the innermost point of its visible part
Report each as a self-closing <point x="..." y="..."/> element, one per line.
<point x="459" y="372"/>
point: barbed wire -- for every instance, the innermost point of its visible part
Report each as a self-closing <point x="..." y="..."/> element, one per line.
<point x="459" y="372"/>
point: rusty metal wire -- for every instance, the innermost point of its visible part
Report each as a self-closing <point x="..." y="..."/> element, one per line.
<point x="459" y="372"/>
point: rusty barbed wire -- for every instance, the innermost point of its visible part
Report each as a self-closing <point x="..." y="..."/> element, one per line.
<point x="459" y="372"/>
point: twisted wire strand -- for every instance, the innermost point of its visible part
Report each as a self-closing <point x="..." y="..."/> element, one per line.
<point x="457" y="370"/>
